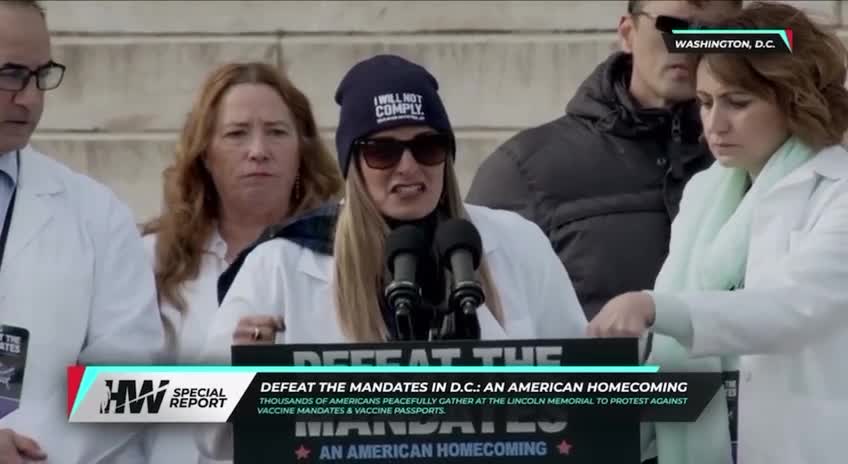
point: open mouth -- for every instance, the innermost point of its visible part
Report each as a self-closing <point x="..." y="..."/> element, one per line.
<point x="408" y="188"/>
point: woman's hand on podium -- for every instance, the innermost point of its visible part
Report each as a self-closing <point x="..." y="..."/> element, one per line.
<point x="627" y="315"/>
<point x="257" y="330"/>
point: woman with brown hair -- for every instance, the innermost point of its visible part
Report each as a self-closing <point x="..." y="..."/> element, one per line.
<point x="756" y="281"/>
<point x="249" y="156"/>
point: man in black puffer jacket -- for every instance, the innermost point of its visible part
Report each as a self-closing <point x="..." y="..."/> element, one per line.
<point x="604" y="181"/>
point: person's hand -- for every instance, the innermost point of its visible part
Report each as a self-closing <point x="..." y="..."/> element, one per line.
<point x="257" y="329"/>
<point x="627" y="315"/>
<point x="14" y="448"/>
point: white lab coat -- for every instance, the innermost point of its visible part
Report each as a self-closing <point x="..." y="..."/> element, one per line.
<point x="790" y="322"/>
<point x="281" y="278"/>
<point x="187" y="334"/>
<point x="75" y="275"/>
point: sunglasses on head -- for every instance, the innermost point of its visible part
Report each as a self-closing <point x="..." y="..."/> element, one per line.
<point x="666" y="24"/>
<point x="385" y="153"/>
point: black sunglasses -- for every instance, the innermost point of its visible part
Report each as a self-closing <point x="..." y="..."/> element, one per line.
<point x="15" y="77"/>
<point x="384" y="153"/>
<point x="666" y="24"/>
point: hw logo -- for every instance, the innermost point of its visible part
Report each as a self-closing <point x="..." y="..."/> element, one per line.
<point x="126" y="393"/>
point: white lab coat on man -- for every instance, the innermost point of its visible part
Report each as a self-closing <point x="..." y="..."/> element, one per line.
<point x="790" y="322"/>
<point x="281" y="278"/>
<point x="75" y="275"/>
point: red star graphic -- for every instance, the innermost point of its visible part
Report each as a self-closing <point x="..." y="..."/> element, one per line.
<point x="564" y="447"/>
<point x="302" y="452"/>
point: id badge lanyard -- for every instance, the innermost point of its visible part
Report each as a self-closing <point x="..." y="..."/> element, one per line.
<point x="7" y="223"/>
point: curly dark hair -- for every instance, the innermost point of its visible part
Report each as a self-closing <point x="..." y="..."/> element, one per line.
<point x="808" y="85"/>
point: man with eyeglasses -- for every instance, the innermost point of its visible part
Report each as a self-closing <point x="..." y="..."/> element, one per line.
<point x="604" y="180"/>
<point x="75" y="283"/>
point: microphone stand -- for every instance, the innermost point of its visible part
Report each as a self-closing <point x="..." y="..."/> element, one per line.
<point x="457" y="320"/>
<point x="403" y="297"/>
<point x="444" y="324"/>
<point x="465" y="298"/>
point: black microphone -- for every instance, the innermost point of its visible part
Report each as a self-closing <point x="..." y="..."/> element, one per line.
<point x="405" y="246"/>
<point x="459" y="246"/>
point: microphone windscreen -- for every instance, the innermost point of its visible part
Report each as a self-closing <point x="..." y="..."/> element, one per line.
<point x="405" y="239"/>
<point x="458" y="233"/>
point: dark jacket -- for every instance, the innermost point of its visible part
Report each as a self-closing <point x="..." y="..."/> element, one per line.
<point x="604" y="182"/>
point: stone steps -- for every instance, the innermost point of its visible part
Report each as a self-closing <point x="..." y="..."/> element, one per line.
<point x="134" y="68"/>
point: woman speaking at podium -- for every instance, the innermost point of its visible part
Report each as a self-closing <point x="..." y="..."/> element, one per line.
<point x="396" y="150"/>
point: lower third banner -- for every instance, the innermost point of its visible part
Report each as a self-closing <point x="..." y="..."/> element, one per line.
<point x="529" y="401"/>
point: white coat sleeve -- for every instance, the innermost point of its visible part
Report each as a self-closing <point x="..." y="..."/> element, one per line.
<point x="124" y="325"/>
<point x="806" y="300"/>
<point x="255" y="290"/>
<point x="560" y="314"/>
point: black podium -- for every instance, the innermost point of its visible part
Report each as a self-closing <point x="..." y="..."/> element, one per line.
<point x="584" y="436"/>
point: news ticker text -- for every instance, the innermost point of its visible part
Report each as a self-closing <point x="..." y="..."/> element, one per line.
<point x="465" y="401"/>
<point x="227" y="394"/>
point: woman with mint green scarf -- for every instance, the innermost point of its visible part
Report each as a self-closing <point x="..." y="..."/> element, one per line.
<point x="757" y="273"/>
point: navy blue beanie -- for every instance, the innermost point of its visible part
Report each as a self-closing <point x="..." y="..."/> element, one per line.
<point x="384" y="92"/>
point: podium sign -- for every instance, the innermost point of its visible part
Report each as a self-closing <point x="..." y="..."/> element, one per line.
<point x="472" y="414"/>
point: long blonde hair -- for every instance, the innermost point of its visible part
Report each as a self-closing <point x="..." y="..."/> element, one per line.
<point x="359" y="250"/>
<point x="190" y="199"/>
